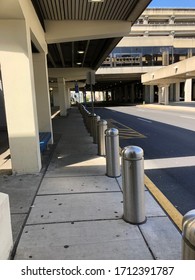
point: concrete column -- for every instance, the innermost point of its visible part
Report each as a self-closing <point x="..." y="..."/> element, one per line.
<point x="188" y="90"/>
<point x="3" y="124"/>
<point x="42" y="93"/>
<point x="171" y="93"/>
<point x="68" y="98"/>
<point x="62" y="96"/>
<point x="132" y="94"/>
<point x="114" y="94"/>
<point x="126" y="93"/>
<point x="146" y="92"/>
<point x="6" y="239"/>
<point x="160" y="95"/>
<point x="149" y="94"/>
<point x="165" y="58"/>
<point x="193" y="91"/>
<point x="56" y="100"/>
<point x="145" y="20"/>
<point x="163" y="94"/>
<point x="107" y="99"/>
<point x="19" y="94"/>
<point x="166" y="94"/>
<point x="177" y="92"/>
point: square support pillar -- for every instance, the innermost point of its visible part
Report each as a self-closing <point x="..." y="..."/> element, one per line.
<point x="42" y="93"/>
<point x="6" y="239"/>
<point x="68" y="96"/>
<point x="163" y="94"/>
<point x="177" y="92"/>
<point x="62" y="96"/>
<point x="149" y="94"/>
<point x="19" y="93"/>
<point x="188" y="90"/>
<point x="56" y="98"/>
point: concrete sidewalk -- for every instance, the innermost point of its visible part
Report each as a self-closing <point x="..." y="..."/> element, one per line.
<point x="77" y="212"/>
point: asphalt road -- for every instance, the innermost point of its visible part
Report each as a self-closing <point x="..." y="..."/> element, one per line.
<point x="168" y="141"/>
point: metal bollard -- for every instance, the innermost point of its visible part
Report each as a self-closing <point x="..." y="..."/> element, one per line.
<point x="95" y="131"/>
<point x="93" y="125"/>
<point x="88" y="121"/>
<point x="112" y="152"/>
<point x="91" y="116"/>
<point x="102" y="126"/>
<point x="133" y="185"/>
<point x="188" y="236"/>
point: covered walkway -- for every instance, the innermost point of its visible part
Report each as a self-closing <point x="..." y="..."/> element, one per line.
<point x="72" y="210"/>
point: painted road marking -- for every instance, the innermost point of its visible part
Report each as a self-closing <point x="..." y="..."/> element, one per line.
<point x="125" y="132"/>
<point x="164" y="163"/>
<point x="144" y="120"/>
<point x="187" y="117"/>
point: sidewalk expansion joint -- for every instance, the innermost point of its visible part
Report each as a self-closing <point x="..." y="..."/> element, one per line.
<point x="142" y="234"/>
<point x="71" y="176"/>
<point x="74" y="221"/>
<point x="82" y="193"/>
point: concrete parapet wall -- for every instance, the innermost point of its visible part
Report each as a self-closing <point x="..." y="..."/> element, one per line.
<point x="6" y="240"/>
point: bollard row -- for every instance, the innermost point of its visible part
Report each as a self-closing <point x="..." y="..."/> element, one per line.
<point x="132" y="177"/>
<point x="132" y="165"/>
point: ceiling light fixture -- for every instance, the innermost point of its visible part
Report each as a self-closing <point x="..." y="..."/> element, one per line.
<point x="96" y="1"/>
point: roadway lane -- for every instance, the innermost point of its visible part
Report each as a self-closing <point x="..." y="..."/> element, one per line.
<point x="169" y="149"/>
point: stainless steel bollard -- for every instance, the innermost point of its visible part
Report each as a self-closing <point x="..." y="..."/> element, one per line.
<point x="88" y="121"/>
<point x="133" y="185"/>
<point x="188" y="236"/>
<point x="93" y="125"/>
<point x="102" y="126"/>
<point x="112" y="153"/>
<point x="95" y="131"/>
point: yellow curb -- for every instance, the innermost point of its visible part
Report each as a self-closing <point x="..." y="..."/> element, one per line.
<point x="168" y="207"/>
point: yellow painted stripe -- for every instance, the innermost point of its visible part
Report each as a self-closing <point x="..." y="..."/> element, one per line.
<point x="126" y="132"/>
<point x="168" y="207"/>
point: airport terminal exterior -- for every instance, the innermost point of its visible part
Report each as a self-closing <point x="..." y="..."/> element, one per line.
<point x="48" y="48"/>
<point x="159" y="37"/>
<point x="121" y="47"/>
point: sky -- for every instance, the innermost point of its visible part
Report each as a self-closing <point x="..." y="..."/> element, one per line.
<point x="172" y="4"/>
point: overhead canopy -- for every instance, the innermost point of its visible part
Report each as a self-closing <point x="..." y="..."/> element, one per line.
<point x="81" y="33"/>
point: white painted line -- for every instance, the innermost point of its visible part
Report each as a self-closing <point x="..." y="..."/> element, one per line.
<point x="164" y="163"/>
<point x="187" y="117"/>
<point x="55" y="114"/>
<point x="144" y="120"/>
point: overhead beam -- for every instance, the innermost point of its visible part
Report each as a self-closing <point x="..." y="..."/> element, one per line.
<point x="34" y="24"/>
<point x="78" y="30"/>
<point x="182" y="70"/>
<point x="69" y="74"/>
<point x="61" y="55"/>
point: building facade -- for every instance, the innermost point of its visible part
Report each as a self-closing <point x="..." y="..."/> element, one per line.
<point x="159" y="37"/>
